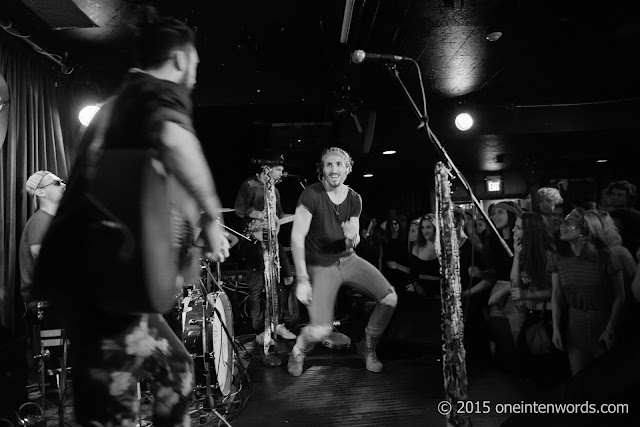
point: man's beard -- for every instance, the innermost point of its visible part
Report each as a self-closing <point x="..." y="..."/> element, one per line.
<point x="328" y="180"/>
<point x="186" y="82"/>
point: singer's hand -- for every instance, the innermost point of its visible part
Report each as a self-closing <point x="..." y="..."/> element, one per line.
<point x="303" y="290"/>
<point x="350" y="229"/>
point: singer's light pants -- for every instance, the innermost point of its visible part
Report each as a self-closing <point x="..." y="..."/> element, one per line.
<point x="326" y="281"/>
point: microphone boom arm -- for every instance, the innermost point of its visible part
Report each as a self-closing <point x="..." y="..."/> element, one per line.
<point x="424" y="123"/>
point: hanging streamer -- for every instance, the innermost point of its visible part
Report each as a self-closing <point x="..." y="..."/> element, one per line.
<point x="271" y="258"/>
<point x="453" y="361"/>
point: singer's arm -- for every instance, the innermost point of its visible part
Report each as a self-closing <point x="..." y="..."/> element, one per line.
<point x="299" y="231"/>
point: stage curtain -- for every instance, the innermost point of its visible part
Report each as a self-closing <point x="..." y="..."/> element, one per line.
<point x="37" y="139"/>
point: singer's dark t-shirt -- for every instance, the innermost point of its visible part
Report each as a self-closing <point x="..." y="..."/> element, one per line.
<point x="325" y="242"/>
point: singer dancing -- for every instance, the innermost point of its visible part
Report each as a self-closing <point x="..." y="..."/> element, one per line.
<point x="325" y="231"/>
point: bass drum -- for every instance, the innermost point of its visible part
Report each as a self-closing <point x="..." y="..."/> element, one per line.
<point x="216" y="309"/>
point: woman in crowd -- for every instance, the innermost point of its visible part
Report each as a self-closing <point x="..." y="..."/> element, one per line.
<point x="412" y="236"/>
<point x="424" y="263"/>
<point x="587" y="289"/>
<point x="533" y="247"/>
<point x="475" y="310"/>
<point x="505" y="317"/>
<point x="395" y="265"/>
<point x="613" y="241"/>
<point x="475" y="230"/>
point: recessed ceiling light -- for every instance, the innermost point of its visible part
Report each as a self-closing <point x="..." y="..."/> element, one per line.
<point x="464" y="121"/>
<point x="389" y="152"/>
<point x="368" y="175"/>
<point x="494" y="35"/>
<point x="602" y="161"/>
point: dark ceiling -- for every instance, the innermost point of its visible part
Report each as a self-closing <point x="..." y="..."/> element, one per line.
<point x="559" y="89"/>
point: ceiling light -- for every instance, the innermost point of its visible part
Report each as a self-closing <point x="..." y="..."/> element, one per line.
<point x="367" y="175"/>
<point x="602" y="161"/>
<point x="389" y="152"/>
<point x="87" y="113"/>
<point x="464" y="121"/>
<point x="494" y="35"/>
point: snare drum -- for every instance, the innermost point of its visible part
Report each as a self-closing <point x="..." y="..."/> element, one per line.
<point x="215" y="309"/>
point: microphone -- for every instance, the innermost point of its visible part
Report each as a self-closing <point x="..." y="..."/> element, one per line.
<point x="360" y="56"/>
<point x="291" y="175"/>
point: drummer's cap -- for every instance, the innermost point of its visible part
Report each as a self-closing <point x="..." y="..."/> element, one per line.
<point x="268" y="159"/>
<point x="34" y="181"/>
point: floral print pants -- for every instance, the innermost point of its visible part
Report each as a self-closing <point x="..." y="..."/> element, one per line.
<point x="110" y="356"/>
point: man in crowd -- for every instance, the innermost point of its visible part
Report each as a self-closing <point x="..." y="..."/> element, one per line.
<point x="548" y="200"/>
<point x="622" y="197"/>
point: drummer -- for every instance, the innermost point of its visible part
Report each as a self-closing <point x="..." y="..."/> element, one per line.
<point x="46" y="189"/>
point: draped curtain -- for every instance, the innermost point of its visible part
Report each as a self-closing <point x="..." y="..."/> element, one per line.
<point x="38" y="138"/>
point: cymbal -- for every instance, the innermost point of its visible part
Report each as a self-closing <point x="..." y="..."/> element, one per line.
<point x="225" y="210"/>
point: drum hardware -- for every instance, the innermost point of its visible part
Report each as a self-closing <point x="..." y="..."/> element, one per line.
<point x="141" y="422"/>
<point x="42" y="339"/>
<point x="242" y="236"/>
<point x="203" y="319"/>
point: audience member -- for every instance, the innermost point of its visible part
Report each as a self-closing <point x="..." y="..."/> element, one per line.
<point x="424" y="263"/>
<point x="505" y="317"/>
<point x="587" y="288"/>
<point x="531" y="285"/>
<point x="548" y="198"/>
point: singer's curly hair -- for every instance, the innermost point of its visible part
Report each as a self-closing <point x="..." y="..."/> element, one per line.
<point x="334" y="151"/>
<point x="156" y="36"/>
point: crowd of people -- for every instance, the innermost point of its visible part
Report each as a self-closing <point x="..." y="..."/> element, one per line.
<point x="574" y="271"/>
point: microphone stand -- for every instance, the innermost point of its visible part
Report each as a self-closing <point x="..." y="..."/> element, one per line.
<point x="424" y="123"/>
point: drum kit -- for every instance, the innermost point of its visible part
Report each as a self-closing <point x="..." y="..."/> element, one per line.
<point x="205" y="320"/>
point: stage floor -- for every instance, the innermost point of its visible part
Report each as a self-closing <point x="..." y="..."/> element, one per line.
<point x="335" y="389"/>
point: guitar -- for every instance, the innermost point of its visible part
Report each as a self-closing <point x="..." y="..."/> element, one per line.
<point x="124" y="234"/>
<point x="162" y="220"/>
<point x="258" y="227"/>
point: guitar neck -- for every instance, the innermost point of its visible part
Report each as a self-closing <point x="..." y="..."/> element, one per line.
<point x="286" y="219"/>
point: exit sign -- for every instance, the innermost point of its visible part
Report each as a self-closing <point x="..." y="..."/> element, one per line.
<point x="494" y="184"/>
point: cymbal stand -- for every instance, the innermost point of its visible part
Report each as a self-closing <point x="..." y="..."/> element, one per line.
<point x="208" y="402"/>
<point x="210" y="275"/>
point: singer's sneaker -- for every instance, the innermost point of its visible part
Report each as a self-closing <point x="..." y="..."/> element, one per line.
<point x="284" y="332"/>
<point x="260" y="339"/>
<point x="296" y="362"/>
